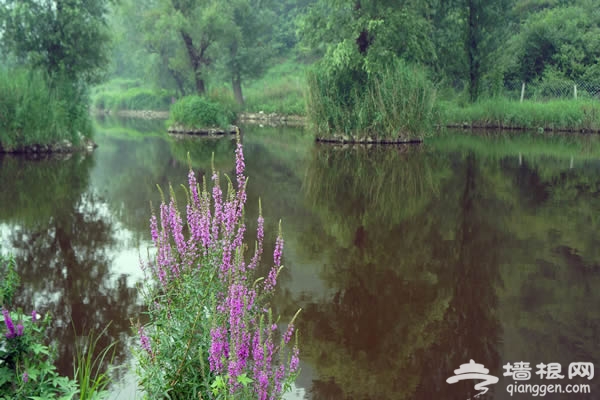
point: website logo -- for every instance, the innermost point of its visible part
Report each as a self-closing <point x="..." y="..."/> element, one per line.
<point x="477" y="372"/>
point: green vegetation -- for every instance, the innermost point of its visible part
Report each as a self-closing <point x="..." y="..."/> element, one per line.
<point x="211" y="331"/>
<point x="281" y="90"/>
<point x="199" y="112"/>
<point x="395" y="102"/>
<point x="27" y="369"/>
<point x="35" y="110"/>
<point x="50" y="55"/>
<point x="133" y="99"/>
<point x="503" y="113"/>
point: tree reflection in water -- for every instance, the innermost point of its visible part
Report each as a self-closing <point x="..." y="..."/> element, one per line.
<point x="63" y="240"/>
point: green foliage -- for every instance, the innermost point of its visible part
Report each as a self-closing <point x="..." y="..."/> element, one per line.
<point x="135" y="98"/>
<point x="93" y="382"/>
<point x="211" y="329"/>
<point x="397" y="101"/>
<point x="65" y="38"/>
<point x="27" y="368"/>
<point x="37" y="110"/>
<point x="26" y="364"/>
<point x="505" y="113"/>
<point x="199" y="112"/>
<point x="281" y="90"/>
<point x="10" y="280"/>
<point x="563" y="38"/>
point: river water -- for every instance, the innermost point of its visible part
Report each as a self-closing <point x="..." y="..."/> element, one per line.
<point x="407" y="261"/>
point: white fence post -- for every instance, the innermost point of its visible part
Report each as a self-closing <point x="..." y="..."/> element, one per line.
<point x="575" y="91"/>
<point x="522" y="91"/>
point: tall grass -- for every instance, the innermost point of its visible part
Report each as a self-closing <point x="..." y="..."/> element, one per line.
<point x="93" y="381"/>
<point x="396" y="102"/>
<point x="510" y="114"/>
<point x="37" y="111"/>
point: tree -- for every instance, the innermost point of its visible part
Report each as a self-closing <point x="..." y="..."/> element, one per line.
<point x="200" y="24"/>
<point x="369" y="33"/>
<point x="561" y="40"/>
<point x="248" y="45"/>
<point x="63" y="37"/>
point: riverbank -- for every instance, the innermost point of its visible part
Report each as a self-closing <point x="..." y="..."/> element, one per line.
<point x="42" y="114"/>
<point x="61" y="147"/>
<point x="501" y="113"/>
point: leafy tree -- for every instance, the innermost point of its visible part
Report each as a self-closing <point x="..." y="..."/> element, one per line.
<point x="63" y="37"/>
<point x="366" y="34"/>
<point x="247" y="46"/>
<point x="560" y="39"/>
<point x="200" y="24"/>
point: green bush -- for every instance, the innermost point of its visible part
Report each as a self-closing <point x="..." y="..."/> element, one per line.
<point x="396" y="101"/>
<point x="200" y="112"/>
<point x="35" y="110"/>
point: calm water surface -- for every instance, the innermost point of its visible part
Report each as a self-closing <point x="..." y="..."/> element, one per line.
<point x="408" y="262"/>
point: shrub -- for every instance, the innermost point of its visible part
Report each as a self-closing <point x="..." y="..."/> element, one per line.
<point x="210" y="333"/>
<point x="37" y="110"/>
<point x="396" y="101"/>
<point x="199" y="112"/>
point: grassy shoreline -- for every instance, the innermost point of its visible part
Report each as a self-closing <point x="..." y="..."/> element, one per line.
<point x="502" y="113"/>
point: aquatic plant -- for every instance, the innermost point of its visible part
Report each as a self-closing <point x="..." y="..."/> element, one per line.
<point x="38" y="110"/>
<point x="396" y="101"/>
<point x="211" y="332"/>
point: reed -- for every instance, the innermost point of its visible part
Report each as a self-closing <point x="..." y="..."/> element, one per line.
<point x="35" y="110"/>
<point x="397" y="101"/>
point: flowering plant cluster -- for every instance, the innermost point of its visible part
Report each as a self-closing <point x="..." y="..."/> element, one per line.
<point x="211" y="333"/>
<point x="26" y="364"/>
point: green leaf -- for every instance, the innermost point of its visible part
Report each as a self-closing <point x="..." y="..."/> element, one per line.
<point x="244" y="380"/>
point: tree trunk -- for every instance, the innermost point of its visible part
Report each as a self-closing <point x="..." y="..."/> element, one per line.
<point x="472" y="45"/>
<point x="236" y="84"/>
<point x="196" y="61"/>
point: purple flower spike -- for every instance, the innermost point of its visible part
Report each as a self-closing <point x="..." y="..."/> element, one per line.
<point x="25" y="377"/>
<point x="278" y="251"/>
<point x="295" y="360"/>
<point x="144" y="340"/>
<point x="10" y="326"/>
<point x="20" y="328"/>
<point x="33" y="316"/>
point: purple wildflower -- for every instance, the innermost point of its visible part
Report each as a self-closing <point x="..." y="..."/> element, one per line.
<point x="288" y="333"/>
<point x="219" y="349"/>
<point x="33" y="316"/>
<point x="20" y="328"/>
<point x="193" y="184"/>
<point x="279" y="376"/>
<point x="260" y="235"/>
<point x="144" y="340"/>
<point x="10" y="326"/>
<point x="271" y="280"/>
<point x="295" y="360"/>
<point x="25" y="377"/>
<point x="278" y="251"/>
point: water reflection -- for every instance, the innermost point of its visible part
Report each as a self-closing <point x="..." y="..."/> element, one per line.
<point x="408" y="261"/>
<point x="63" y="241"/>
